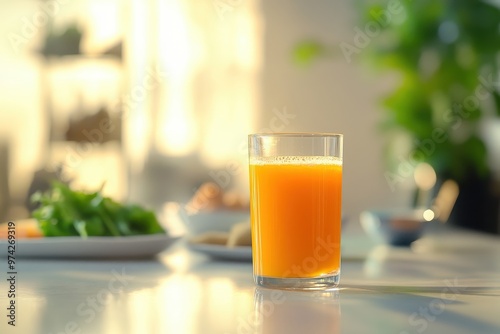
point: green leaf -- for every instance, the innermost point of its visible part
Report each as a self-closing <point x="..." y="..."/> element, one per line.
<point x="496" y="98"/>
<point x="80" y="227"/>
<point x="306" y="52"/>
<point x="95" y="227"/>
<point x="63" y="212"/>
<point x="475" y="153"/>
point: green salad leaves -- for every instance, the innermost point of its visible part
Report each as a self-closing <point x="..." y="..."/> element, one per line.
<point x="64" y="212"/>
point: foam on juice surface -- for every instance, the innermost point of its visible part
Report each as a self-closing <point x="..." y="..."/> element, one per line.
<point x="296" y="160"/>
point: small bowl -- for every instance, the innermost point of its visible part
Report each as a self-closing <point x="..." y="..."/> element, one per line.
<point x="397" y="227"/>
<point x="212" y="221"/>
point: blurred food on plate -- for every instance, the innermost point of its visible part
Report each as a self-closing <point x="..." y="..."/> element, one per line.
<point x="239" y="235"/>
<point x="210" y="197"/>
<point x="217" y="217"/>
<point x="25" y="228"/>
<point x="211" y="238"/>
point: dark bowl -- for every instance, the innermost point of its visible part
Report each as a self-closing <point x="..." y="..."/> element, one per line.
<point x="397" y="227"/>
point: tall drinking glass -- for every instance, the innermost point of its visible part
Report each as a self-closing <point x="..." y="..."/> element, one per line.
<point x="295" y="200"/>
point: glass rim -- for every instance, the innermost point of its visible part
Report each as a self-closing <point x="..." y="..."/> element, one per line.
<point x="297" y="134"/>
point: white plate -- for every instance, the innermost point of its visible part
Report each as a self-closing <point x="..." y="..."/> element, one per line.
<point x="240" y="253"/>
<point x="216" y="221"/>
<point x="354" y="248"/>
<point x="92" y="247"/>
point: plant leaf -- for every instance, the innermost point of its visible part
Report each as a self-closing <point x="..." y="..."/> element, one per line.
<point x="307" y="52"/>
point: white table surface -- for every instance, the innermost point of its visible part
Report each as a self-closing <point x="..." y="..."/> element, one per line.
<point x="449" y="284"/>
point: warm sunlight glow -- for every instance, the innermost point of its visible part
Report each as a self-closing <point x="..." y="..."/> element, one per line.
<point x="141" y="304"/>
<point x="179" y="299"/>
<point x="221" y="295"/>
<point x="102" y="25"/>
<point x="207" y="97"/>
<point x="233" y="100"/>
<point x="428" y="215"/>
<point x="137" y="120"/>
<point x="425" y="176"/>
<point x="175" y="130"/>
<point x="210" y="93"/>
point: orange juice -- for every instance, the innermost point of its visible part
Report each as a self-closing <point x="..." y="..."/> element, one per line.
<point x="296" y="216"/>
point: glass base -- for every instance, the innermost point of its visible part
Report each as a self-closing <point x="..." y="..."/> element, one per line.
<point x="324" y="282"/>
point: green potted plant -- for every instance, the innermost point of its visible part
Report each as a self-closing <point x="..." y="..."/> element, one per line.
<point x="445" y="54"/>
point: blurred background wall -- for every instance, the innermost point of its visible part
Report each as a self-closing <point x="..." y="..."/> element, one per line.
<point x="156" y="97"/>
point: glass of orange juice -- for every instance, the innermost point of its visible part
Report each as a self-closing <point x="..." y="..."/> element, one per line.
<point x="295" y="209"/>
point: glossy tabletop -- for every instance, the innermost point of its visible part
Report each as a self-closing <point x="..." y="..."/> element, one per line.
<point x="449" y="282"/>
